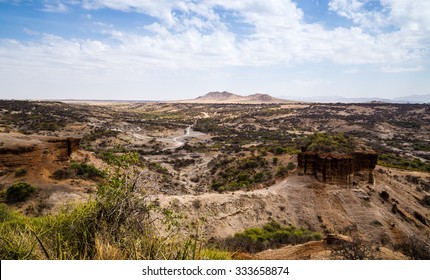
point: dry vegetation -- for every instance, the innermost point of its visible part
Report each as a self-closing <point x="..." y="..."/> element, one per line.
<point x="198" y="167"/>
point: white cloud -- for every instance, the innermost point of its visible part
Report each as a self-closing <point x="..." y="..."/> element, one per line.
<point x="56" y="7"/>
<point x="391" y="69"/>
<point x="355" y="10"/>
<point x="199" y="35"/>
<point x="402" y="14"/>
<point x="30" y="32"/>
<point x="409" y="15"/>
<point x="160" y="9"/>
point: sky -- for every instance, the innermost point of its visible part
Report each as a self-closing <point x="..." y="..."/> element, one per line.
<point x="171" y="50"/>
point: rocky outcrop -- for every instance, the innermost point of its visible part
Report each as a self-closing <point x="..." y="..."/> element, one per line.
<point x="342" y="169"/>
<point x="24" y="150"/>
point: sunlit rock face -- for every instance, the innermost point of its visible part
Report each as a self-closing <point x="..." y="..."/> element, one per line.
<point x="341" y="169"/>
<point x="24" y="150"/>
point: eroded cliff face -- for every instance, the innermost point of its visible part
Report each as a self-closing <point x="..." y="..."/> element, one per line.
<point x="26" y="150"/>
<point x="341" y="169"/>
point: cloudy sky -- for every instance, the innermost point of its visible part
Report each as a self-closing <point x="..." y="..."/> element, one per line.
<point x="159" y="50"/>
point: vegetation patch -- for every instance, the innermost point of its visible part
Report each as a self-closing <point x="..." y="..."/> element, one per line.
<point x="271" y="235"/>
<point x="20" y="172"/>
<point x="232" y="174"/>
<point x="78" y="170"/>
<point x="19" y="192"/>
<point x="357" y="249"/>
<point x="415" y="248"/>
<point x="331" y="143"/>
<point x="85" y="170"/>
<point x="116" y="224"/>
<point x="397" y="161"/>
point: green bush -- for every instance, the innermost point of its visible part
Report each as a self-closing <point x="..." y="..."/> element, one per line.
<point x="5" y="213"/>
<point x="62" y="174"/>
<point x="397" y="161"/>
<point x="19" y="192"/>
<point x="330" y="142"/>
<point x="282" y="171"/>
<point x="20" y="172"/>
<point x="232" y="174"/>
<point x="78" y="170"/>
<point x="87" y="171"/>
<point x="271" y="235"/>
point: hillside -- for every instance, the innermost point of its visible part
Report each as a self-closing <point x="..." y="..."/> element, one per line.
<point x="225" y="97"/>
<point x="360" y="211"/>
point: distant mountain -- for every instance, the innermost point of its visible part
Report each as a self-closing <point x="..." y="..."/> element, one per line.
<point x="261" y="97"/>
<point x="217" y="95"/>
<point x="336" y="99"/>
<point x="413" y="99"/>
<point x="228" y="97"/>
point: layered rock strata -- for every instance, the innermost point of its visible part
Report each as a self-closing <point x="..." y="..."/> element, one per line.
<point x="341" y="169"/>
<point x="21" y="150"/>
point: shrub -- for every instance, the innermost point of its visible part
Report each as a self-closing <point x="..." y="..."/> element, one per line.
<point x="355" y="250"/>
<point x="426" y="201"/>
<point x="291" y="166"/>
<point x="271" y="235"/>
<point x="214" y="254"/>
<point x="19" y="192"/>
<point x="415" y="248"/>
<point x="62" y="174"/>
<point x="259" y="176"/>
<point x="397" y="161"/>
<point x="20" y="172"/>
<point x="282" y="171"/>
<point x="5" y="213"/>
<point x="232" y="174"/>
<point x="329" y="142"/>
<point x="87" y="171"/>
<point x="384" y="195"/>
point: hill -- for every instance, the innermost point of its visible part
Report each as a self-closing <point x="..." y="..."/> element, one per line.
<point x="230" y="98"/>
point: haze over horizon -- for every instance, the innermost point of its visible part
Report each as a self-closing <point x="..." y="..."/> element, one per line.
<point x="167" y="50"/>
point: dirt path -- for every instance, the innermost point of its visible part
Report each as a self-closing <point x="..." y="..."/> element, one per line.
<point x="179" y="141"/>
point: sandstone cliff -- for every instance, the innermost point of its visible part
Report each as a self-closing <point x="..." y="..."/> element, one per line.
<point x="342" y="169"/>
<point x="26" y="150"/>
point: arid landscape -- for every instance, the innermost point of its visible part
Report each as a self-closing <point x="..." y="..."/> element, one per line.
<point x="236" y="177"/>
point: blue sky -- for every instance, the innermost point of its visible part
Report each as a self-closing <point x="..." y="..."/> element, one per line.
<point x="164" y="50"/>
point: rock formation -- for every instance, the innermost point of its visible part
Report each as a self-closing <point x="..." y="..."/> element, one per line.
<point x="24" y="150"/>
<point x="342" y="169"/>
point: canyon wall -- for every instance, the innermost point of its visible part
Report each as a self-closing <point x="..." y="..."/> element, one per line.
<point x="341" y="169"/>
<point x="26" y="150"/>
